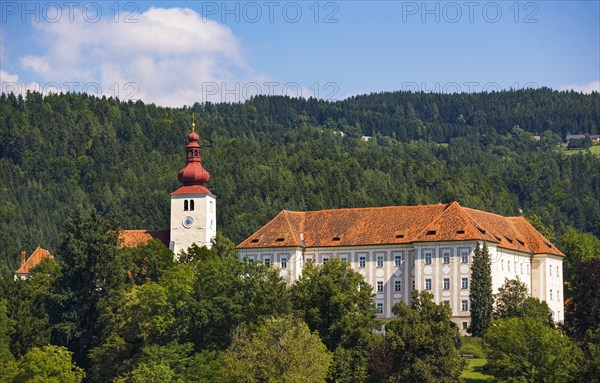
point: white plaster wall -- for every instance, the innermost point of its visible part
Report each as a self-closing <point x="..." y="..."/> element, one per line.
<point x="413" y="268"/>
<point x="204" y="229"/>
<point x="509" y="264"/>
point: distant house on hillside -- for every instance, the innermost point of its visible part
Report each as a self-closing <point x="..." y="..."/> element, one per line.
<point x="34" y="259"/>
<point x="571" y="137"/>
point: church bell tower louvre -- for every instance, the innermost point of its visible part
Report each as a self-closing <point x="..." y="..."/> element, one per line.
<point x="193" y="206"/>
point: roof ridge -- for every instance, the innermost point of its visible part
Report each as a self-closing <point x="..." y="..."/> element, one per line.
<point x="285" y="213"/>
<point x="433" y="222"/>
<point x="471" y="221"/>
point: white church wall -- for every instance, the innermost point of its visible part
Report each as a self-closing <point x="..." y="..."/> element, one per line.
<point x="189" y="226"/>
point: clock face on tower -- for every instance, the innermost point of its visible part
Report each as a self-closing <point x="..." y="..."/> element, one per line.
<point x="188" y="222"/>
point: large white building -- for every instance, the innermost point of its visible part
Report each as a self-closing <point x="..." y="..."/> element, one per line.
<point x="400" y="248"/>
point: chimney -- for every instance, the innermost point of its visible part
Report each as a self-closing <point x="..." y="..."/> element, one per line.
<point x="23" y="254"/>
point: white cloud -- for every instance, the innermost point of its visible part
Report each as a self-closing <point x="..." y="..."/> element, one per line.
<point x="169" y="56"/>
<point x="593" y="86"/>
<point x="6" y="77"/>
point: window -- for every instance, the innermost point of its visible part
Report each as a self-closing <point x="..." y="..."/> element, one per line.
<point x="344" y="259"/>
<point x="558" y="295"/>
<point x="325" y="260"/>
<point x="379" y="286"/>
<point x="446" y="283"/>
<point x="185" y="205"/>
<point x="528" y="269"/>
<point x="428" y="284"/>
<point x="283" y="262"/>
<point x="464" y="284"/>
<point x="508" y="265"/>
<point x="361" y="262"/>
<point x="397" y="260"/>
<point x="502" y="264"/>
<point x="550" y="294"/>
<point x="379" y="308"/>
<point x="413" y="284"/>
<point x="446" y="302"/>
<point x="398" y="285"/>
<point x="428" y="258"/>
<point x="268" y="262"/>
<point x="515" y="266"/>
<point x="464" y="256"/>
<point x="521" y="268"/>
<point x="191" y="205"/>
<point x="464" y="305"/>
<point x="379" y="261"/>
<point x="446" y="257"/>
<point x="250" y="260"/>
<point x="550" y="270"/>
<point x="465" y="325"/>
<point x="557" y="271"/>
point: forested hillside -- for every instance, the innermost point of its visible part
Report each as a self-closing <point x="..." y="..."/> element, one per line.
<point x="62" y="152"/>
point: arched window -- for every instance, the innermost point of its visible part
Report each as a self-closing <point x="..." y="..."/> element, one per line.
<point x="191" y="204"/>
<point x="185" y="205"/>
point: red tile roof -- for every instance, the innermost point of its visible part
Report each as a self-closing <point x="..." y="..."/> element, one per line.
<point x="133" y="238"/>
<point x="34" y="259"/>
<point x="398" y="225"/>
<point x="192" y="189"/>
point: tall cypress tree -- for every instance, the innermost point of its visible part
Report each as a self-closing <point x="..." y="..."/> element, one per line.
<point x="480" y="296"/>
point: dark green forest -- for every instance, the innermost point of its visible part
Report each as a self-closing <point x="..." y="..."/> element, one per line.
<point x="62" y="152"/>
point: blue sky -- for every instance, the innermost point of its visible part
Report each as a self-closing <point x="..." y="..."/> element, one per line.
<point x="178" y="52"/>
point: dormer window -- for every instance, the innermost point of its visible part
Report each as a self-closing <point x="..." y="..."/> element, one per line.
<point x="279" y="239"/>
<point x="335" y="239"/>
<point x="399" y="236"/>
<point x="431" y="232"/>
<point x="255" y="240"/>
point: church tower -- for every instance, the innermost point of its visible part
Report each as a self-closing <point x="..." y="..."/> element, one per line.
<point x="193" y="206"/>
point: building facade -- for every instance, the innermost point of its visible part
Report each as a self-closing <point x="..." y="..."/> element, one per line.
<point x="400" y="248"/>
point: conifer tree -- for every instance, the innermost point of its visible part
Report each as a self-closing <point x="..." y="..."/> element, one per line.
<point x="480" y="296"/>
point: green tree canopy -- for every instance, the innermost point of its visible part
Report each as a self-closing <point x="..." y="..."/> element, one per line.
<point x="92" y="274"/>
<point x="282" y="350"/>
<point x="480" y="294"/>
<point x="583" y="310"/>
<point x="8" y="366"/>
<point x="526" y="350"/>
<point x="334" y="301"/>
<point x="422" y="343"/>
<point x="49" y="364"/>
<point x="509" y="299"/>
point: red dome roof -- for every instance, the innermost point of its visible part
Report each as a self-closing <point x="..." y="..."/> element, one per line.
<point x="193" y="173"/>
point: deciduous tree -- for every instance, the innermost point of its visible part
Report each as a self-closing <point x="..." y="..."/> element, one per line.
<point x="583" y="310"/>
<point x="422" y="342"/>
<point x="282" y="350"/>
<point x="526" y="350"/>
<point x="49" y="364"/>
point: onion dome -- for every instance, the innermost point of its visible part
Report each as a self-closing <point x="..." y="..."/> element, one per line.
<point x="193" y="173"/>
